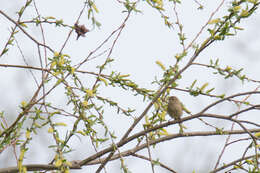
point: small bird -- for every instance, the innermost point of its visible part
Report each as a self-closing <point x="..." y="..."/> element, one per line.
<point x="175" y="109"/>
<point x="81" y="30"/>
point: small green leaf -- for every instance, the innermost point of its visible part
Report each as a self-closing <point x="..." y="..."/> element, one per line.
<point x="193" y="83"/>
<point x="161" y="65"/>
<point x="204" y="86"/>
<point x="214" y="21"/>
<point x="208" y="91"/>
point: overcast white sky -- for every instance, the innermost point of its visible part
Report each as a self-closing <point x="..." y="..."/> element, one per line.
<point x="144" y="40"/>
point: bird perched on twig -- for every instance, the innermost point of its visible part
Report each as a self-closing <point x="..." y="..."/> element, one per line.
<point x="81" y="30"/>
<point x="175" y="109"/>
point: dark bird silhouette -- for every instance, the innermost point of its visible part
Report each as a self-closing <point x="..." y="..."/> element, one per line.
<point x="81" y="30"/>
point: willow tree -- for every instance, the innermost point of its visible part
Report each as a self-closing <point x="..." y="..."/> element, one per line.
<point x="76" y="93"/>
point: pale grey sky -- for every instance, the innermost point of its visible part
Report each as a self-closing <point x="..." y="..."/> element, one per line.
<point x="144" y="40"/>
